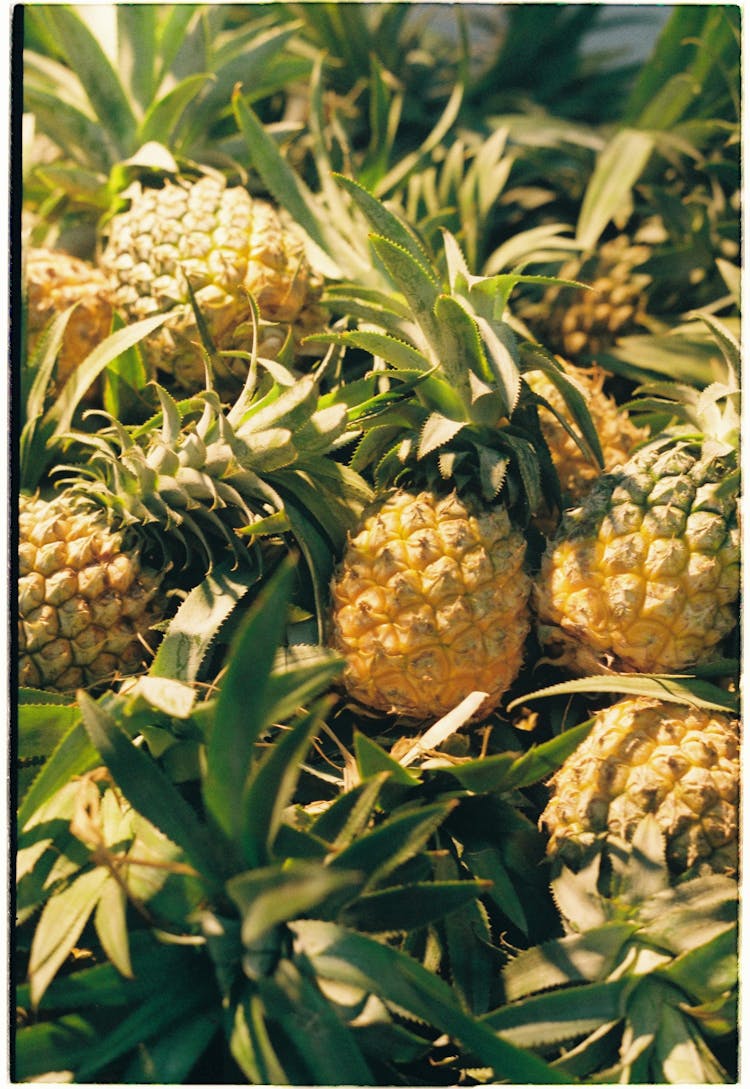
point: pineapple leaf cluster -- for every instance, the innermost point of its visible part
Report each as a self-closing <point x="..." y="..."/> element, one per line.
<point x="643" y="965"/>
<point x="277" y="915"/>
<point x="155" y="83"/>
<point x="460" y="363"/>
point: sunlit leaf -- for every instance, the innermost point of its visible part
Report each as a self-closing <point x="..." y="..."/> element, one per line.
<point x="59" y="928"/>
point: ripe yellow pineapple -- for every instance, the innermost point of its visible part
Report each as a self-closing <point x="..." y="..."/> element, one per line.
<point x="86" y="603"/>
<point x="230" y="246"/>
<point x="644" y="575"/>
<point x="617" y="432"/>
<point x="54" y="281"/>
<point x="430" y="604"/>
<point x="430" y="601"/>
<point x="644" y="755"/>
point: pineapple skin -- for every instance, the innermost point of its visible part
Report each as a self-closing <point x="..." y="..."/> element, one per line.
<point x="617" y="433"/>
<point x="56" y="280"/>
<point x="645" y="756"/>
<point x="85" y="601"/>
<point x="588" y="322"/>
<point x="644" y="576"/>
<point x="430" y="603"/>
<point x="230" y="245"/>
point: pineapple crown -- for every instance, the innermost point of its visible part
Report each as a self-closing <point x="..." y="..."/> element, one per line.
<point x="213" y="477"/>
<point x="427" y="186"/>
<point x="462" y="414"/>
<point x="709" y="416"/>
<point x="640" y="956"/>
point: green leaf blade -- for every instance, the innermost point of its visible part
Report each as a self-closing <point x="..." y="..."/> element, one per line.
<point x="237" y="726"/>
<point x="197" y="622"/>
<point x="401" y="982"/>
<point x="98" y="76"/>
<point x="148" y="790"/>
<point x="407" y="907"/>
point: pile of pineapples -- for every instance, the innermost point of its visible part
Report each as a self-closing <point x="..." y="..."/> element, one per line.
<point x="377" y="522"/>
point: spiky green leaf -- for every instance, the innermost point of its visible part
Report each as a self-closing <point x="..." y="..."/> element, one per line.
<point x="401" y="982"/>
<point x="396" y="840"/>
<point x="674" y="688"/>
<point x="408" y="907"/>
<point x="544" y="1020"/>
<point x="237" y="725"/>
<point x="388" y="226"/>
<point x="325" y="1046"/>
<point x="270" y="788"/>
<point x="575" y="958"/>
<point x="269" y="895"/>
<point x="149" y="790"/>
<point x="198" y="620"/>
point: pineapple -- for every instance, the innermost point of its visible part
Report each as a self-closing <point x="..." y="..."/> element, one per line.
<point x="86" y="602"/>
<point x="643" y="755"/>
<point x="617" y="432"/>
<point x="161" y="226"/>
<point x="429" y="604"/>
<point x="229" y="246"/>
<point x="54" y="281"/>
<point x="586" y="322"/>
<point x="184" y="494"/>
<point x="644" y="576"/>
